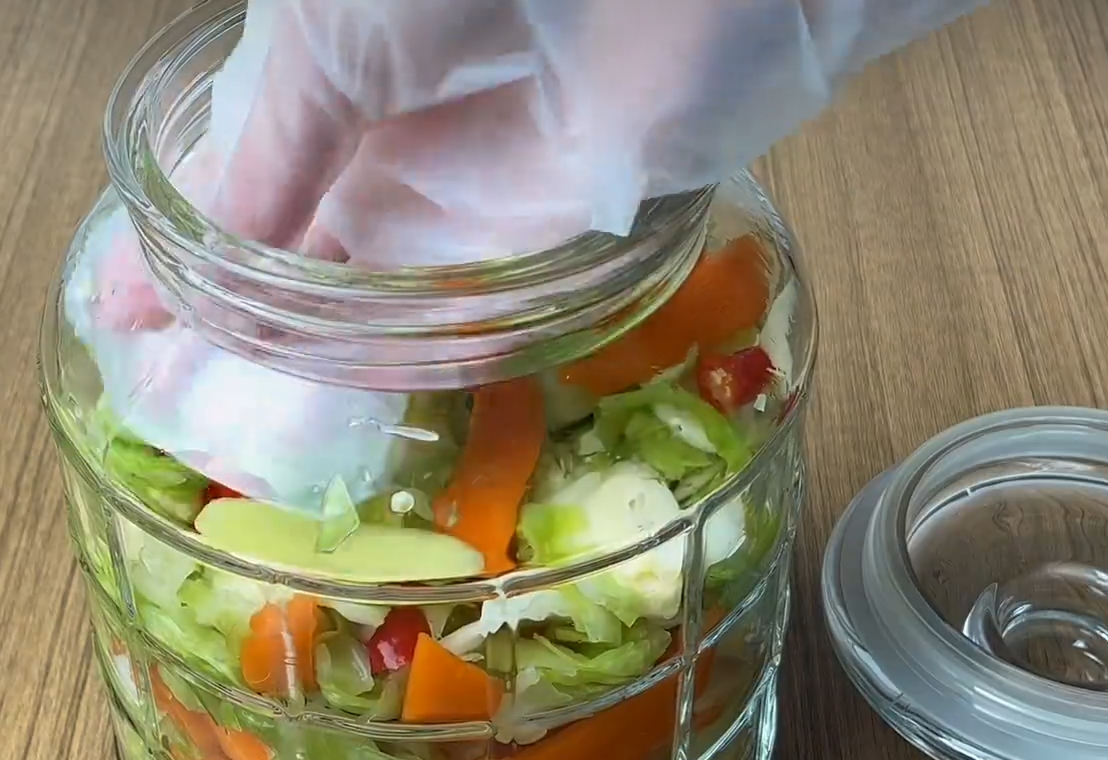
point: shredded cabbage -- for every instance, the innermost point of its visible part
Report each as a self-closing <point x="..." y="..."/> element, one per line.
<point x="346" y="681"/>
<point x="603" y="511"/>
<point x="551" y="675"/>
<point x="307" y="740"/>
<point x="589" y="669"/>
<point x="669" y="428"/>
<point x="589" y="620"/>
<point x="161" y="482"/>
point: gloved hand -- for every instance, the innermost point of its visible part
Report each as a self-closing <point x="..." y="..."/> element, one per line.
<point x="441" y="131"/>
<point x="415" y="132"/>
<point x="407" y="132"/>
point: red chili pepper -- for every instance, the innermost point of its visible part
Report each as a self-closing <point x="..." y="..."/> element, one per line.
<point x="731" y="382"/>
<point x="392" y="646"/>
<point x="219" y="491"/>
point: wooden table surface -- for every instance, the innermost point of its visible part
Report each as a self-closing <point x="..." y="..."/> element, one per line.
<point x="951" y="207"/>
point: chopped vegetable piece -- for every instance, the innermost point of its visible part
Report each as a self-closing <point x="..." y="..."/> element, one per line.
<point x="444" y="688"/>
<point x="369" y="615"/>
<point x="728" y="582"/>
<point x="507" y="428"/>
<point x="197" y="726"/>
<point x="372" y="553"/>
<point x="278" y="657"/>
<point x="240" y="745"/>
<point x="592" y="622"/>
<point x="347" y="683"/>
<point x="616" y="414"/>
<point x="727" y="292"/>
<point x="162" y="483"/>
<point x="393" y="644"/>
<point x="628" y="731"/>
<point x="777" y="328"/>
<point x="613" y="508"/>
<point x="578" y="673"/>
<point x="731" y="382"/>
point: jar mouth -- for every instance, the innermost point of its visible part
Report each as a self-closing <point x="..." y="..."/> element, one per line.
<point x="961" y="602"/>
<point x="426" y="327"/>
<point x="135" y="161"/>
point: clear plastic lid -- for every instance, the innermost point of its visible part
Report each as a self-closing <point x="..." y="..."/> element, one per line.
<point x="966" y="590"/>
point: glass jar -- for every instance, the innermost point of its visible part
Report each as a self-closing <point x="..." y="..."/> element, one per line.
<point x="540" y="508"/>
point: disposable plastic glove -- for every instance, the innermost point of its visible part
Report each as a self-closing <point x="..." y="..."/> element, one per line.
<point x="405" y="132"/>
<point x="409" y="132"/>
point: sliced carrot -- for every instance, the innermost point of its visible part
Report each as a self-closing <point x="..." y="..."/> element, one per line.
<point x="444" y="688"/>
<point x="198" y="727"/>
<point x="727" y="292"/>
<point x="628" y="731"/>
<point x="305" y="622"/>
<point x="240" y="745"/>
<point x="279" y="654"/>
<point x="635" y="727"/>
<point x="480" y="506"/>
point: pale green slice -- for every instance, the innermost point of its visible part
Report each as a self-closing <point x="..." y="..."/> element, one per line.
<point x="370" y="554"/>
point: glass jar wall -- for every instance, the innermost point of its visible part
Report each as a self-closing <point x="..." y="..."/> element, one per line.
<point x="551" y="520"/>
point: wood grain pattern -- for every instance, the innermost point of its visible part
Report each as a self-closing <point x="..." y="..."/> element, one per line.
<point x="952" y="210"/>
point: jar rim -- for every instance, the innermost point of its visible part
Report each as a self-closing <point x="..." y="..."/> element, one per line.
<point x="191" y="29"/>
<point x="427" y="327"/>
<point x="930" y="681"/>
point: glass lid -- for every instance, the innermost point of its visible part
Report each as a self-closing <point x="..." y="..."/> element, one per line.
<point x="966" y="590"/>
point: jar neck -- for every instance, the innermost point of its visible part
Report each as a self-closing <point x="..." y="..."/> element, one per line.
<point x="416" y="328"/>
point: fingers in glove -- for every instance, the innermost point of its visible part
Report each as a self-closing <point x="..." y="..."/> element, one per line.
<point x="468" y="180"/>
<point x="299" y="134"/>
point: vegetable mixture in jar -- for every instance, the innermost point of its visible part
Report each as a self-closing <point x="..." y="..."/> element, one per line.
<point x="585" y="557"/>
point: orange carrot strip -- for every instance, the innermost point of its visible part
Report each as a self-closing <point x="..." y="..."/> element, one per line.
<point x="635" y="727"/>
<point x="240" y="745"/>
<point x="198" y="727"/>
<point x="305" y="622"/>
<point x="264" y="652"/>
<point x="628" y="731"/>
<point x="444" y="688"/>
<point x="480" y="506"/>
<point x="727" y="292"/>
<point x="280" y="650"/>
